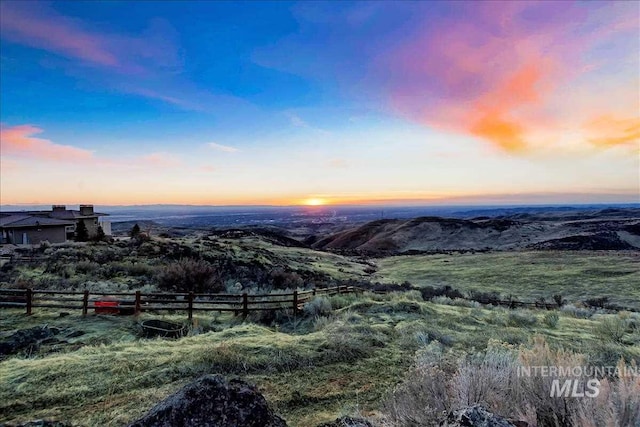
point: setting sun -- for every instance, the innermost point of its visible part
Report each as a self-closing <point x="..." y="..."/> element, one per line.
<point x="315" y="202"/>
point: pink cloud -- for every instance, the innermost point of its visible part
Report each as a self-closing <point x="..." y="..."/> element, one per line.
<point x="58" y="35"/>
<point x="161" y="159"/>
<point x="40" y="27"/>
<point x="19" y="141"/>
<point x="500" y="71"/>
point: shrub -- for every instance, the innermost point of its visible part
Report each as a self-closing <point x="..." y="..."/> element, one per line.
<point x="319" y="306"/>
<point x="86" y="267"/>
<point x="600" y="302"/>
<point x="559" y="300"/>
<point x="518" y="318"/>
<point x="496" y="380"/>
<point x="578" y="312"/>
<point x="281" y="279"/>
<point x="484" y="297"/>
<point x="429" y="292"/>
<point x="187" y="275"/>
<point x="551" y="319"/>
<point x="611" y="328"/>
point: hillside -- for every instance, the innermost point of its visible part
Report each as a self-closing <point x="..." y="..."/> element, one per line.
<point x="619" y="230"/>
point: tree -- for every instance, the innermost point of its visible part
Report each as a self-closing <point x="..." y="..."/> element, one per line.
<point x="99" y="234"/>
<point x="135" y="231"/>
<point x="82" y="234"/>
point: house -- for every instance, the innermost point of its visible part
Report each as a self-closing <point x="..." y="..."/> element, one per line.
<point x="27" y="229"/>
<point x="37" y="226"/>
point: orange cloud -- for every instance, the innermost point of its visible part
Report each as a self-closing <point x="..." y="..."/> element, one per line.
<point x="515" y="71"/>
<point x="611" y="131"/>
<point x="19" y="141"/>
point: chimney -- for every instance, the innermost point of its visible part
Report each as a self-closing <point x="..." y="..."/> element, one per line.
<point x="58" y="208"/>
<point x="86" y="210"/>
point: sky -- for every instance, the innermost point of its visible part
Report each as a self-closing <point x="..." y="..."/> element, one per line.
<point x="286" y="103"/>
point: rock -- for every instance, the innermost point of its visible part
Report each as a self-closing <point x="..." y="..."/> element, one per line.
<point x="475" y="416"/>
<point x="212" y="401"/>
<point x="347" y="422"/>
<point x="24" y="339"/>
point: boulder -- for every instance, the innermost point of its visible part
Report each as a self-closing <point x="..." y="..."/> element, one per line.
<point x="211" y="400"/>
<point x="475" y="416"/>
<point x="25" y="338"/>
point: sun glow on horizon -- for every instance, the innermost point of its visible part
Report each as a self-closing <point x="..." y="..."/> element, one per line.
<point x="314" y="202"/>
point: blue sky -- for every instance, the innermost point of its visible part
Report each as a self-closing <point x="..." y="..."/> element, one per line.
<point x="335" y="102"/>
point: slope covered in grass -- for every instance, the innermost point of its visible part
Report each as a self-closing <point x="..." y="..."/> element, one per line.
<point x="577" y="275"/>
<point x="311" y="367"/>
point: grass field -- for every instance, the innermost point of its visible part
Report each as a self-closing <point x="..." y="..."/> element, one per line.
<point x="531" y="275"/>
<point x="311" y="368"/>
<point x="342" y="356"/>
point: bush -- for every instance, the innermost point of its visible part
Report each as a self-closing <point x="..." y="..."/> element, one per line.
<point x="86" y="267"/>
<point x="578" y="312"/>
<point x="496" y="380"/>
<point x="521" y="319"/>
<point x="551" y="319"/>
<point x="611" y="329"/>
<point x="187" y="275"/>
<point x="319" y="306"/>
<point x="281" y="279"/>
<point x="429" y="292"/>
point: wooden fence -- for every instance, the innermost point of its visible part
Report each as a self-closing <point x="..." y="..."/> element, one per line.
<point x="135" y="303"/>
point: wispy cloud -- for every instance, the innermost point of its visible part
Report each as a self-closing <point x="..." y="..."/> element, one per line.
<point x="610" y="131"/>
<point x="297" y="121"/>
<point x="19" y="145"/>
<point x="38" y="26"/>
<point x="223" y="148"/>
<point x="162" y="159"/>
<point x="19" y="141"/>
<point x="148" y="64"/>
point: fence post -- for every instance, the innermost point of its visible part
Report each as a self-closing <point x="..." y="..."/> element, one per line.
<point x="190" y="306"/>
<point x="138" y="304"/>
<point x="314" y="292"/>
<point x="245" y="304"/>
<point x="29" y="297"/>
<point x="85" y="302"/>
<point x="295" y="301"/>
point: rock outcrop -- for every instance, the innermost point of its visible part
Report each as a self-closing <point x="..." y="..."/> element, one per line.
<point x="212" y="401"/>
<point x="25" y="339"/>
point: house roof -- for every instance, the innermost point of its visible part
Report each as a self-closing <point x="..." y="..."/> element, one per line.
<point x="17" y="221"/>
<point x="66" y="214"/>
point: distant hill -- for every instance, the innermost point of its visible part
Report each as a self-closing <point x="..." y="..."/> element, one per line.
<point x="596" y="230"/>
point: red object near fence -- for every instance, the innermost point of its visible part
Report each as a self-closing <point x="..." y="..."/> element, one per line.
<point x="106" y="306"/>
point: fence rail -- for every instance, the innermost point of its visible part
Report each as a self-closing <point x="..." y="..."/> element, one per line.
<point x="134" y="303"/>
